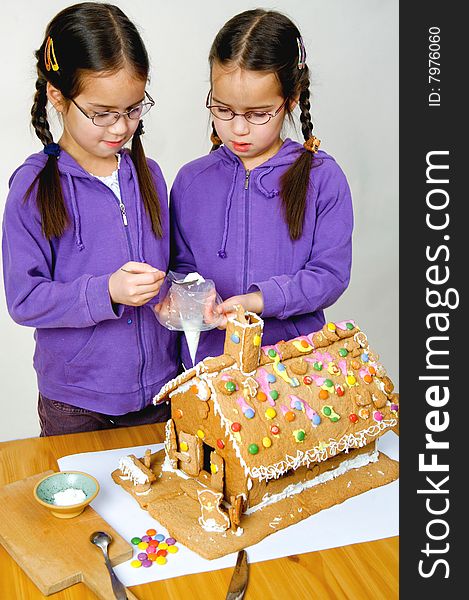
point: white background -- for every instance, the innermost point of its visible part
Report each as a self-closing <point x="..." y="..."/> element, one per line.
<point x="352" y="50"/>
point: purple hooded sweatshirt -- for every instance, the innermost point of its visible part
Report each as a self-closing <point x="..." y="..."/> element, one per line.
<point x="227" y="223"/>
<point x="88" y="354"/>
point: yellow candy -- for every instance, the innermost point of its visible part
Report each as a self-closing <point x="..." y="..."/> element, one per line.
<point x="266" y="442"/>
<point x="161" y="560"/>
<point x="271" y="413"/>
<point x="256" y="340"/>
<point x="214" y="470"/>
<point x="173" y="549"/>
<point x="331" y="326"/>
<point x="135" y="564"/>
<point x="143" y="545"/>
<point x="351" y="380"/>
<point x="162" y="546"/>
<point x="200" y="434"/>
<point x="184" y="447"/>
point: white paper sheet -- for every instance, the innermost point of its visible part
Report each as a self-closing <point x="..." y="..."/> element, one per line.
<point x="370" y="516"/>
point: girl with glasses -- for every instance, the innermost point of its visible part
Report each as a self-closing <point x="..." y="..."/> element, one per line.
<point x="268" y="219"/>
<point x="86" y="239"/>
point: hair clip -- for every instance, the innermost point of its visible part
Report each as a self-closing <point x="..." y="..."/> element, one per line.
<point x="52" y="149"/>
<point x="48" y="54"/>
<point x="312" y="145"/>
<point x="301" y="53"/>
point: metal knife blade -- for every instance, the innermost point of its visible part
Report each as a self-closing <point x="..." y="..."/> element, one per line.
<point x="239" y="579"/>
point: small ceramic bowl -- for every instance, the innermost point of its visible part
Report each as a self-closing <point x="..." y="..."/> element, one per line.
<point x="48" y="486"/>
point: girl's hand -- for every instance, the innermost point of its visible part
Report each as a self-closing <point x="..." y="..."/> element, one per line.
<point x="253" y="302"/>
<point x="134" y="284"/>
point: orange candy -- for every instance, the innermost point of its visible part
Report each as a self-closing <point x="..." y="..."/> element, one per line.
<point x="368" y="378"/>
<point x="372" y="370"/>
<point x="177" y="414"/>
<point x="151" y="531"/>
<point x="290" y="416"/>
<point x="355" y="364"/>
<point x="323" y="394"/>
<point x="261" y="396"/>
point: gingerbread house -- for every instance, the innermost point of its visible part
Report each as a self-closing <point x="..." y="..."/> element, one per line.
<point x="262" y="437"/>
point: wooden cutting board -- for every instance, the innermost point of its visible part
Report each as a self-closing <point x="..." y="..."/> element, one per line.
<point x="56" y="553"/>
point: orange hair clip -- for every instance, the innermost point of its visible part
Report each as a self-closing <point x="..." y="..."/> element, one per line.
<point x="312" y="145"/>
<point x="50" y="59"/>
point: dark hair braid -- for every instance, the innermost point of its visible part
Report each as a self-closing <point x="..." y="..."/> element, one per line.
<point x="49" y="195"/>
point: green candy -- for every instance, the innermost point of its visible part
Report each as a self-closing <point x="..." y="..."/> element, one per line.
<point x="343" y="352"/>
<point x="300" y="435"/>
<point x="272" y="353"/>
<point x="230" y="386"/>
<point x="328" y="383"/>
<point x="135" y="540"/>
<point x="326" y="410"/>
<point x="317" y="366"/>
<point x="334" y="419"/>
<point x="349" y="326"/>
<point x="253" y="449"/>
<point x="273" y="394"/>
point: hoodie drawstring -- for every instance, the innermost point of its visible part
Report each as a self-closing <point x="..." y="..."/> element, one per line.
<point x="76" y="213"/>
<point x="261" y="188"/>
<point x="139" y="213"/>
<point x="222" y="252"/>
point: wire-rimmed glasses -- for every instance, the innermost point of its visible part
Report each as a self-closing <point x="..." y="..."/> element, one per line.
<point x="107" y="118"/>
<point x="255" y="117"/>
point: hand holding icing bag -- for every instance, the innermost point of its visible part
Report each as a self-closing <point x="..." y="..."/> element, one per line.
<point x="188" y="303"/>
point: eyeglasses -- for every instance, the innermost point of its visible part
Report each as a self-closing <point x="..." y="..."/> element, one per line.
<point x="105" y="119"/>
<point x="255" y="117"/>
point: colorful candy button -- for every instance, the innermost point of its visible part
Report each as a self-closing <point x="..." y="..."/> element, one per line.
<point x="350" y="379"/>
<point x="142" y="556"/>
<point x="290" y="416"/>
<point x="235" y="426"/>
<point x="272" y="353"/>
<point x="271" y="413"/>
<point x="230" y="386"/>
<point x="299" y="435"/>
<point x="135" y="564"/>
<point x="256" y="340"/>
<point x="317" y="366"/>
<point x="161" y="560"/>
<point x="146" y="538"/>
<point x="162" y="552"/>
<point x="213" y="469"/>
<point x="331" y="326"/>
<point x="271" y="378"/>
<point x="355" y="364"/>
<point x="353" y="418"/>
<point x="249" y="413"/>
<point x="349" y="326"/>
<point x="394" y="407"/>
<point x="328" y="383"/>
<point x="372" y="370"/>
<point x="273" y="394"/>
<point x="261" y="396"/>
<point x="368" y="379"/>
<point x="307" y="380"/>
<point x="136" y="540"/>
<point x="323" y="394"/>
<point x="159" y="537"/>
<point x="343" y="352"/>
<point x="152" y="557"/>
<point x="275" y="430"/>
<point x="266" y="442"/>
<point x="173" y="549"/>
<point x="151" y="532"/>
<point x="378" y="416"/>
<point x="235" y="338"/>
<point x="200" y="434"/>
<point x="220" y="444"/>
<point x="281" y="367"/>
<point x="253" y="448"/>
<point x="143" y="545"/>
<point x="170" y="541"/>
<point x="147" y="563"/>
<point x="339" y="390"/>
<point x="365" y="358"/>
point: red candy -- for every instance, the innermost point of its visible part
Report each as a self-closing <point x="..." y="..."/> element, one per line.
<point x="307" y="380"/>
<point x="275" y="429"/>
<point x="353" y="418"/>
<point x="162" y="553"/>
<point x="220" y="444"/>
<point x="235" y="426"/>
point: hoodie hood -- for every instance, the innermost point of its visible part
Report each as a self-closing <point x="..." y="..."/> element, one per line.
<point x="71" y="170"/>
<point x="288" y="153"/>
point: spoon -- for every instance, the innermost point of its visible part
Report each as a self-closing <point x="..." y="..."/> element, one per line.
<point x="102" y="540"/>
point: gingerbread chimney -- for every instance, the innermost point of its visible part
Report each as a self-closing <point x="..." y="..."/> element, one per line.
<point x="243" y="339"/>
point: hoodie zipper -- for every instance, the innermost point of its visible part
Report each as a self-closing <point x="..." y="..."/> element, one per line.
<point x="246" y="229"/>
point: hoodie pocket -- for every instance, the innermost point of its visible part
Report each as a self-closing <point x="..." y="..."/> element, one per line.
<point x="109" y="362"/>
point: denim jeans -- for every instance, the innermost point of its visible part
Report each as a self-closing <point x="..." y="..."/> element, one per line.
<point x="57" y="418"/>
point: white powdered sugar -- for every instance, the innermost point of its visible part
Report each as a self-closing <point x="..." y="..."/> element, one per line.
<point x="69" y="496"/>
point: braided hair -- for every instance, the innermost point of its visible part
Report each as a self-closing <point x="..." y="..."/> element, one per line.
<point x="87" y="37"/>
<point x="261" y="40"/>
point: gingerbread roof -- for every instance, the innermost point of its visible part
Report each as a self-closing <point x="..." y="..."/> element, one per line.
<point x="309" y="399"/>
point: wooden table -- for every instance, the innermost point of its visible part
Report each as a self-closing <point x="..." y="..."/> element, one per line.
<point x="357" y="572"/>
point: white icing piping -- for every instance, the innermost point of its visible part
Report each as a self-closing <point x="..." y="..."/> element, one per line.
<point x="128" y="467"/>
<point x="295" y="488"/>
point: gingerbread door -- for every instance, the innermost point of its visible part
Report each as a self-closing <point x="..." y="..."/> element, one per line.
<point x="217" y="469"/>
<point x="190" y="453"/>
